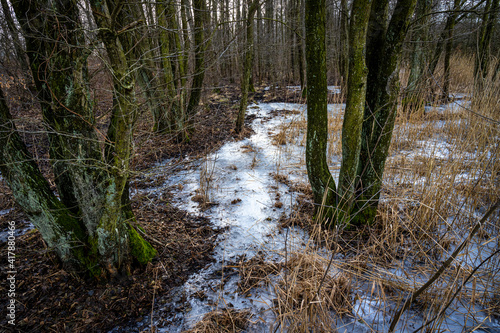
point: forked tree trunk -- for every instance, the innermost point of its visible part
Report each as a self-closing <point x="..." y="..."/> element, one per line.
<point x="57" y="225"/>
<point x="93" y="189"/>
<point x="116" y="241"/>
<point x="384" y="47"/>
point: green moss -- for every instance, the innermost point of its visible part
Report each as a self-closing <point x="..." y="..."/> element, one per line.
<point x="140" y="249"/>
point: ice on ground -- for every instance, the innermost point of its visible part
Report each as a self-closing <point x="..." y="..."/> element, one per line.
<point x="239" y="180"/>
<point x="331" y="89"/>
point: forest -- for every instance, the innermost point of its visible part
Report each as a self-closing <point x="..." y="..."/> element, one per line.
<point x="210" y="166"/>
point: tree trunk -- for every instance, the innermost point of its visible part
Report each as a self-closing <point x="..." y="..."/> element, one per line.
<point x="384" y="47"/>
<point x="57" y="225"/>
<point x="247" y="65"/>
<point x="354" y="111"/>
<point x="135" y="38"/>
<point x="115" y="240"/>
<point x="201" y="20"/>
<point x="173" y="120"/>
<point x="414" y="99"/>
<point x="14" y="33"/>
<point x="322" y="183"/>
<point x="88" y="186"/>
<point x="445" y="94"/>
<point x="344" y="42"/>
<point x="484" y="42"/>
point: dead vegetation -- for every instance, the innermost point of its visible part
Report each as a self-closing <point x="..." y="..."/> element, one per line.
<point x="254" y="272"/>
<point x="49" y="299"/>
<point x="442" y="175"/>
<point x="222" y="321"/>
<point x="443" y="172"/>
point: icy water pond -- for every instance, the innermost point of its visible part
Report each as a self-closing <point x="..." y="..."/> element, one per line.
<point x="240" y="180"/>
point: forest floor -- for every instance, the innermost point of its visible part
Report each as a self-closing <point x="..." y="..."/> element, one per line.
<point x="51" y="300"/>
<point x="191" y="231"/>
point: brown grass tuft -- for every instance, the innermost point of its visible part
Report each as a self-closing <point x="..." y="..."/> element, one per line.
<point x="222" y="321"/>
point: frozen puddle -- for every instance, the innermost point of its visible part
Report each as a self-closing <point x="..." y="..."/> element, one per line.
<point x="239" y="181"/>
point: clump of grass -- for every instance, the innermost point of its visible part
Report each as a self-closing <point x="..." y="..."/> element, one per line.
<point x="254" y="272"/>
<point x="203" y="194"/>
<point x="307" y="294"/>
<point x="222" y="321"/>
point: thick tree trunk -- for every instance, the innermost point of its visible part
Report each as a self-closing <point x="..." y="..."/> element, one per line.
<point x="91" y="188"/>
<point x="354" y="111"/>
<point x="247" y="65"/>
<point x="60" y="75"/>
<point x="322" y="183"/>
<point x="115" y="240"/>
<point x="59" y="228"/>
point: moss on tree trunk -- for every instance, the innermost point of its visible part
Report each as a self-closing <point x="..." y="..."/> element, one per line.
<point x="201" y="20"/>
<point x="322" y="183"/>
<point x="354" y="111"/>
<point x="90" y="225"/>
<point x="384" y="47"/>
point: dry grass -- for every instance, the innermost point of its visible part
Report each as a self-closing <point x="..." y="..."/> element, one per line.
<point x="222" y="321"/>
<point x="442" y="174"/>
<point x="307" y="294"/>
<point x="254" y="272"/>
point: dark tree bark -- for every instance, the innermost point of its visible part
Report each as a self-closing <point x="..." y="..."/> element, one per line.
<point x="484" y="43"/>
<point x="14" y="34"/>
<point x="201" y="20"/>
<point x="136" y="38"/>
<point x="59" y="228"/>
<point x="414" y="100"/>
<point x="174" y="118"/>
<point x="93" y="189"/>
<point x="344" y="42"/>
<point x="320" y="178"/>
<point x="384" y="47"/>
<point x="451" y="20"/>
<point x="247" y="65"/>
<point x="354" y="111"/>
<point x="445" y="94"/>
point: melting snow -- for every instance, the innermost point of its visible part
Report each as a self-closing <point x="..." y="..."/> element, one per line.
<point x="239" y="180"/>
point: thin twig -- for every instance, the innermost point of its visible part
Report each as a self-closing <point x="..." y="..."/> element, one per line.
<point x="443" y="267"/>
